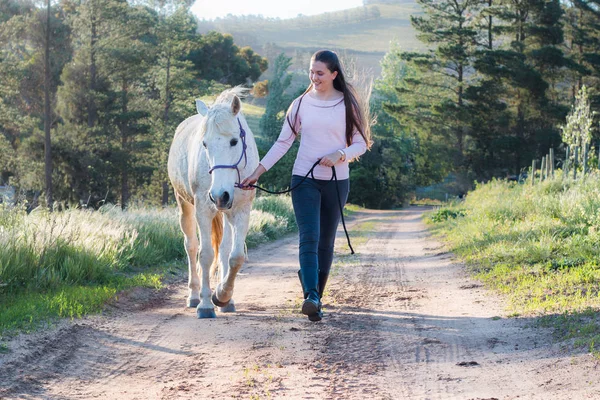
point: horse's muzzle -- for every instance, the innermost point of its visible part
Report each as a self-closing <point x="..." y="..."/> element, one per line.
<point x="224" y="201"/>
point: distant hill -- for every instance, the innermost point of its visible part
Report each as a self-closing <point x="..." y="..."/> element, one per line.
<point x="362" y="33"/>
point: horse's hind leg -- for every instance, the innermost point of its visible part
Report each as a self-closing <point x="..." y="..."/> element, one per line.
<point x="187" y="221"/>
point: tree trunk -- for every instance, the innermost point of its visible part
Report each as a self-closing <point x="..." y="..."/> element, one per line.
<point x="490" y="26"/>
<point x="520" y="135"/>
<point x="165" y="184"/>
<point x="92" y="113"/>
<point x="460" y="129"/>
<point x="47" y="113"/>
<point x="124" y="146"/>
<point x="580" y="49"/>
<point x="460" y="79"/>
<point x="167" y="93"/>
<point x="165" y="193"/>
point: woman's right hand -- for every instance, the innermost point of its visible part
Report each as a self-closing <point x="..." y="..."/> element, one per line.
<point x="253" y="178"/>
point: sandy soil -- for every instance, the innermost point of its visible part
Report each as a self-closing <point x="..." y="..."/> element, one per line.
<point x="403" y="321"/>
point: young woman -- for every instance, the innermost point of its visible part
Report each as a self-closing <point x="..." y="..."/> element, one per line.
<point x="334" y="130"/>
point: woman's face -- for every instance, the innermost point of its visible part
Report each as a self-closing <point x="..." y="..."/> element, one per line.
<point x="320" y="76"/>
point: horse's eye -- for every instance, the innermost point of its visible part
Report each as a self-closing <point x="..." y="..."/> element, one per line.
<point x="233" y="142"/>
<point x="204" y="144"/>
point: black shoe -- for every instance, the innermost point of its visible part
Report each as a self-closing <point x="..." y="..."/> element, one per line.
<point x="310" y="307"/>
<point x="316" y="317"/>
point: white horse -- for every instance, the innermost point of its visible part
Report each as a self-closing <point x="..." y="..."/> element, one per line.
<point x="210" y="154"/>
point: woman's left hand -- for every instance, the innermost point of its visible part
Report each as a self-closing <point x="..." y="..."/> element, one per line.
<point x="330" y="159"/>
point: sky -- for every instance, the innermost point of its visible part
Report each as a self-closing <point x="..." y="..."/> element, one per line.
<point x="210" y="9"/>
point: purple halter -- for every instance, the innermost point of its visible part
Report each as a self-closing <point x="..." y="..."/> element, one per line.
<point x="243" y="155"/>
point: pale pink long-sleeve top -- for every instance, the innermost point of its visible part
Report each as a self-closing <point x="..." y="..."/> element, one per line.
<point x="322" y="124"/>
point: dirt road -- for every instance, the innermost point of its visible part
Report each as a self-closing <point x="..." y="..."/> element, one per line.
<point x="403" y="321"/>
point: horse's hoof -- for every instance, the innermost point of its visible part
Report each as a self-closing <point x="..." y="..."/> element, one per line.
<point x="193" y="303"/>
<point x="229" y="308"/>
<point x="206" y="313"/>
<point x="216" y="301"/>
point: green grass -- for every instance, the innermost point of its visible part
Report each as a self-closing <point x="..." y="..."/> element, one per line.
<point x="426" y="202"/>
<point x="69" y="264"/>
<point x="28" y="310"/>
<point x="359" y="235"/>
<point x="253" y="114"/>
<point x="351" y="210"/>
<point x="582" y="328"/>
<point x="272" y="217"/>
<point x="539" y="246"/>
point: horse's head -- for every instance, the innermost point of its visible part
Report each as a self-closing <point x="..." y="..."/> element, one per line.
<point x="223" y="145"/>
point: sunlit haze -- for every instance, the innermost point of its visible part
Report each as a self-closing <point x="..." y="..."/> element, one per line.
<point x="210" y="9"/>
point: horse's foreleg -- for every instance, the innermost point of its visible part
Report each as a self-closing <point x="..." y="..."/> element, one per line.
<point x="224" y="253"/>
<point x="187" y="221"/>
<point x="205" y="308"/>
<point x="239" y="222"/>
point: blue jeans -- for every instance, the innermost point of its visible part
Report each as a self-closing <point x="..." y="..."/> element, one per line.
<point x="318" y="214"/>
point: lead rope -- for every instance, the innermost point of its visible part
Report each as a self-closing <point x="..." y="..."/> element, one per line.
<point x="337" y="188"/>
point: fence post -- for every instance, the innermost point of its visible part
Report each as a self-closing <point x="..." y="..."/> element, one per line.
<point x="533" y="173"/>
<point x="567" y="163"/>
<point x="552" y="162"/>
<point x="575" y="159"/>
<point x="543" y="169"/>
<point x="547" y="166"/>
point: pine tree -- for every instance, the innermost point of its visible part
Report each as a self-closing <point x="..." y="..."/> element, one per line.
<point x="271" y="122"/>
<point x="448" y="25"/>
<point x="389" y="166"/>
<point x="30" y="66"/>
<point x="86" y="152"/>
<point x="130" y="53"/>
<point x="171" y="79"/>
<point x="525" y="74"/>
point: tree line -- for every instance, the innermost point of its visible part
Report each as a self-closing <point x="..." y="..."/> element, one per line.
<point x="491" y="93"/>
<point x="103" y="84"/>
<point x="495" y="86"/>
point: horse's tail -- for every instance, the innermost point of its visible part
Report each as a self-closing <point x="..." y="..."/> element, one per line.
<point x="216" y="237"/>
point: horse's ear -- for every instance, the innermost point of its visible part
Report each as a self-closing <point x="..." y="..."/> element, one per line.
<point x="201" y="107"/>
<point x="236" y="104"/>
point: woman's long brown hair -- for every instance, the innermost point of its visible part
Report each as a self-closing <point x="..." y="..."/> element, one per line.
<point x="356" y="116"/>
